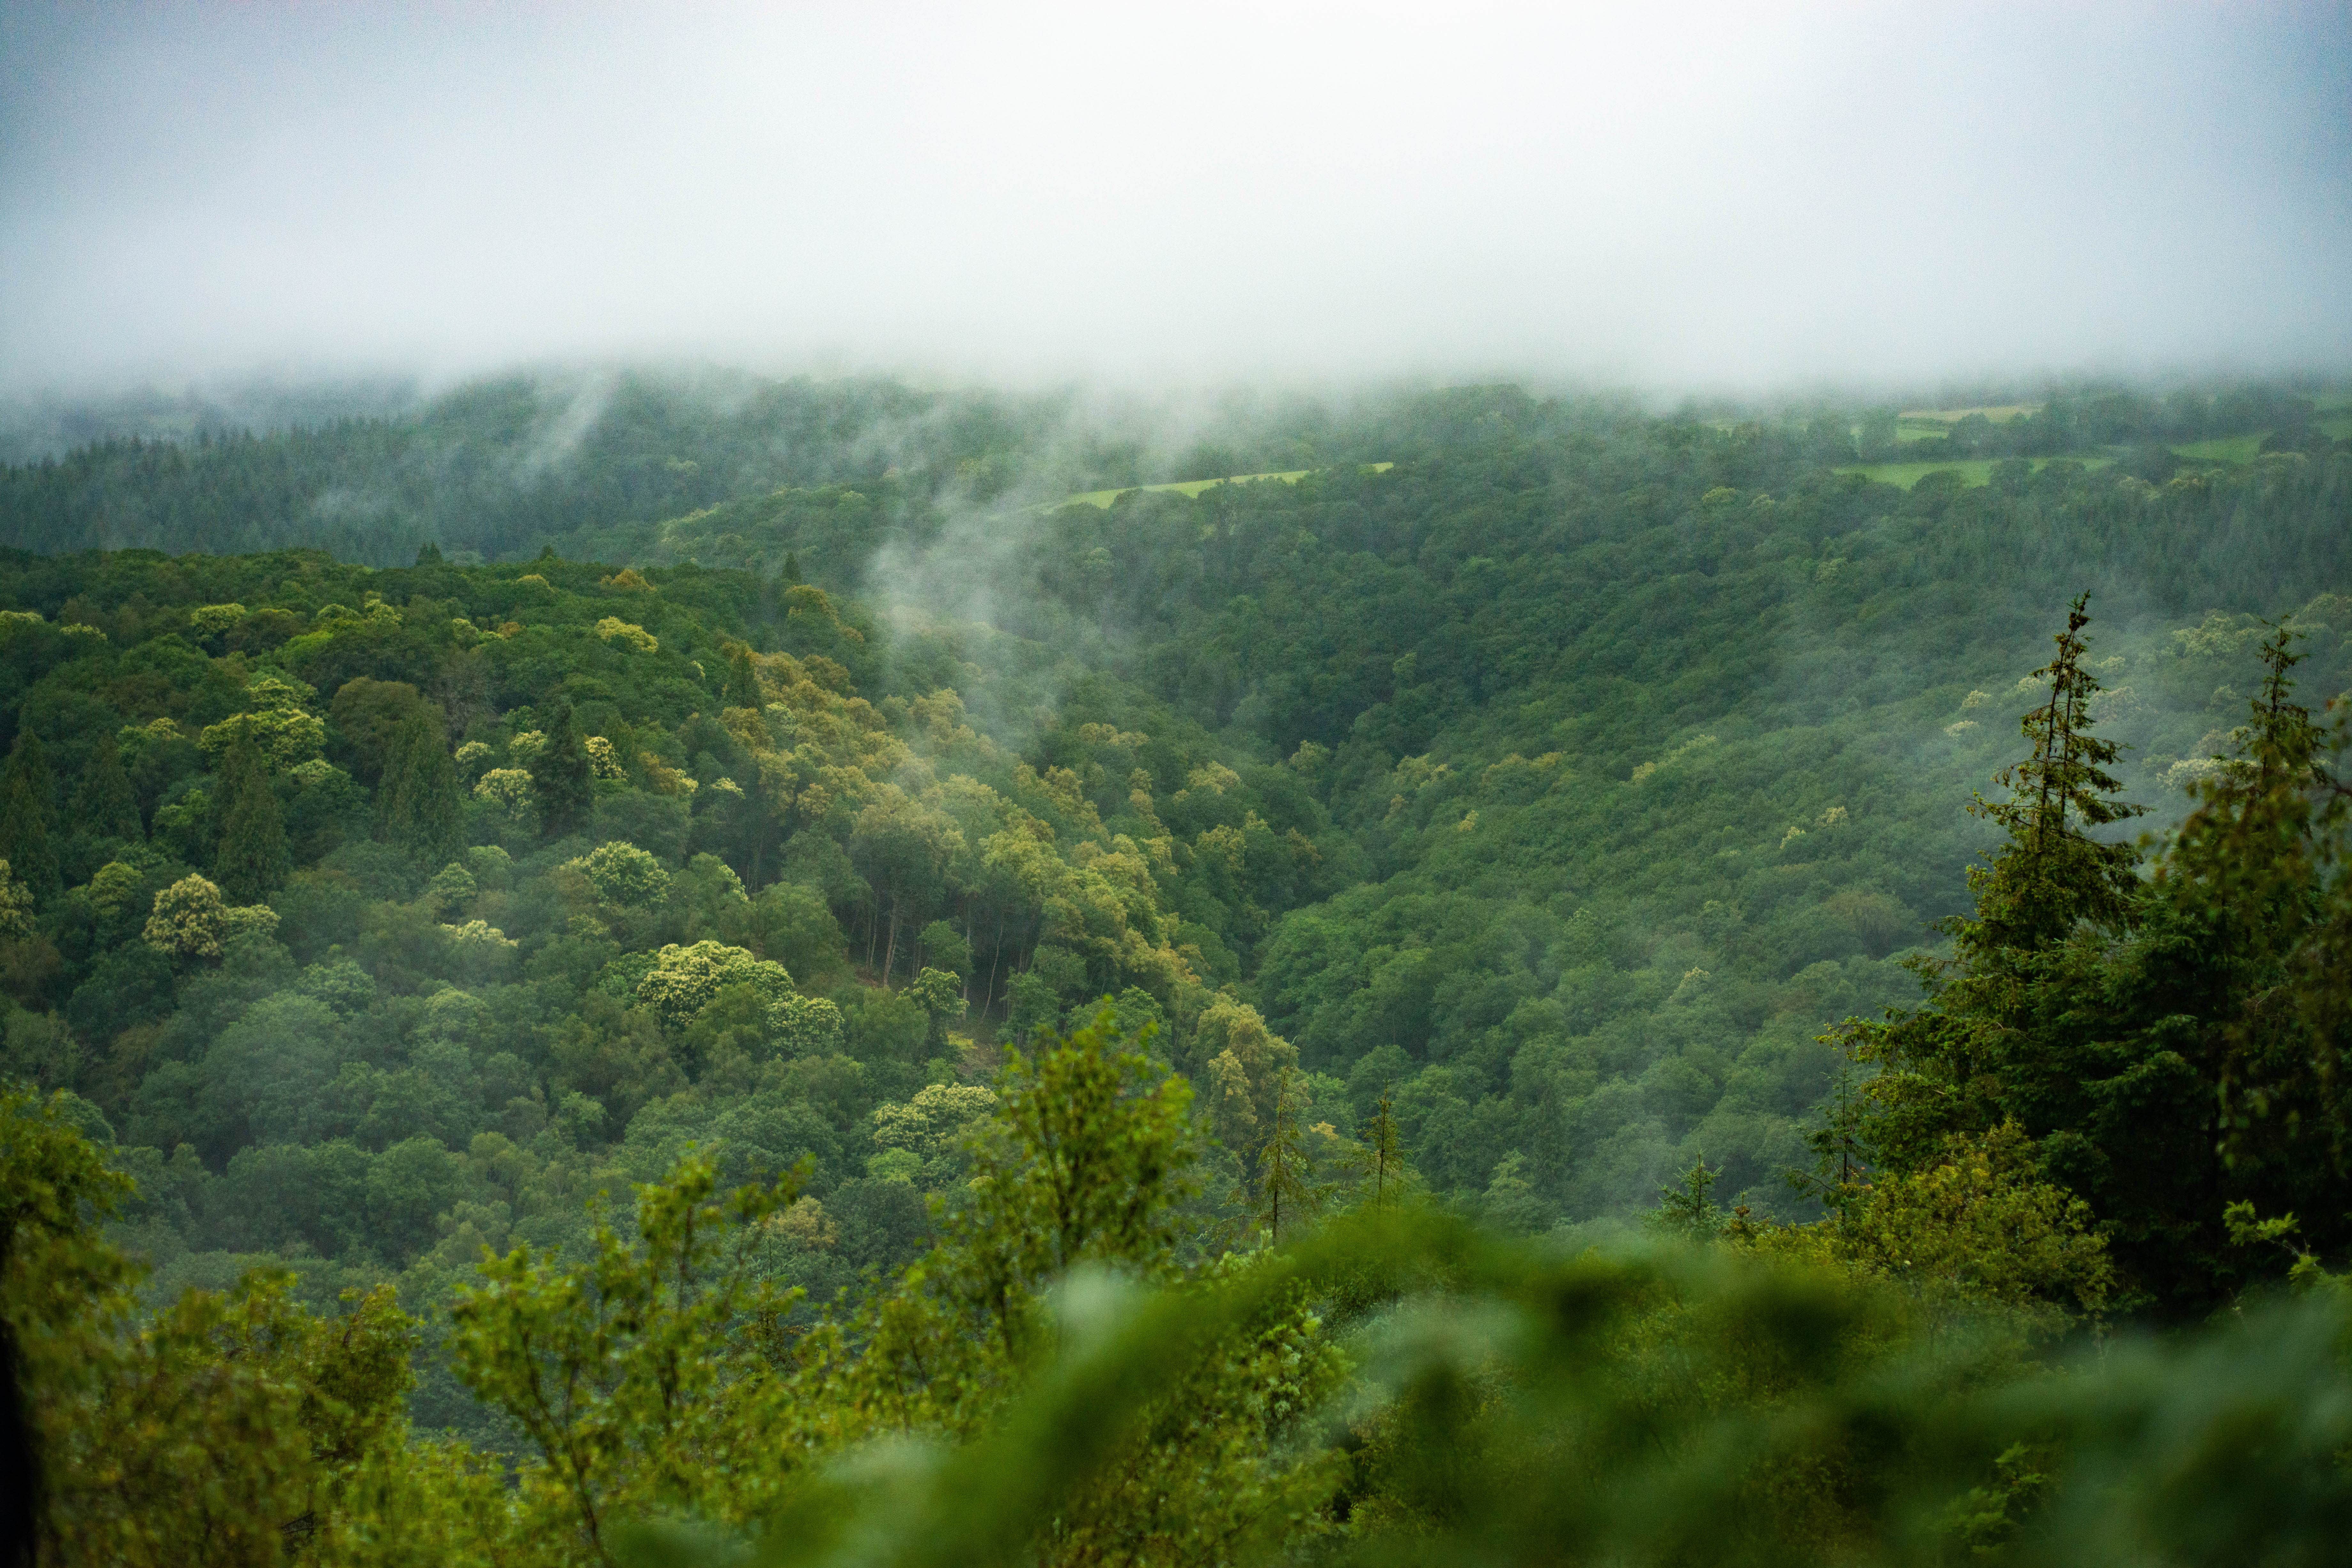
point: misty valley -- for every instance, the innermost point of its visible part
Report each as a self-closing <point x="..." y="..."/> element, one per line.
<point x="694" y="968"/>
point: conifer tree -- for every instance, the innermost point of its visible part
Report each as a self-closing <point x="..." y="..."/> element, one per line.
<point x="560" y="777"/>
<point x="742" y="680"/>
<point x="2052" y="875"/>
<point x="1286" y="1189"/>
<point x="1378" y="1163"/>
<point x="419" y="805"/>
<point x="104" y="805"/>
<point x="253" y="857"/>
<point x="25" y="787"/>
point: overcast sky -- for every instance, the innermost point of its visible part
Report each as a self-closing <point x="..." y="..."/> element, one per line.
<point x="1667" y="196"/>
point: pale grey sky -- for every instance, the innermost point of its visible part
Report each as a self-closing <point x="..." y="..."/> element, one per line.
<point x="1673" y="196"/>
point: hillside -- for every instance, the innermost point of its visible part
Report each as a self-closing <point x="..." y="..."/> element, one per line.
<point x="1519" y="820"/>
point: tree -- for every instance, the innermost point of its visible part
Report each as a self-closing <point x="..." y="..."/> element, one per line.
<point x="26" y="786"/>
<point x="2051" y="876"/>
<point x="1378" y="1162"/>
<point x="252" y="856"/>
<point x="1287" y="1192"/>
<point x="742" y="688"/>
<point x="420" y="804"/>
<point x="616" y="1370"/>
<point x="941" y="996"/>
<point x="560" y="777"/>
<point x="104" y="803"/>
<point x="1688" y="1209"/>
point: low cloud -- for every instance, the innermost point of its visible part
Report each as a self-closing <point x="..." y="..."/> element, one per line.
<point x="1688" y="197"/>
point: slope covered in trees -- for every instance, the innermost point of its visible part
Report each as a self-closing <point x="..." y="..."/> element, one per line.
<point x="1506" y="827"/>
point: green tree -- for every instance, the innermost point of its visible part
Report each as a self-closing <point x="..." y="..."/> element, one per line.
<point x="559" y="779"/>
<point x="252" y="858"/>
<point x="2052" y="876"/>
<point x="941" y="997"/>
<point x="420" y="804"/>
<point x="625" y="1371"/>
<point x="742" y="688"/>
<point x="104" y="803"/>
<point x="25" y="790"/>
<point x="1287" y="1192"/>
<point x="1377" y="1162"/>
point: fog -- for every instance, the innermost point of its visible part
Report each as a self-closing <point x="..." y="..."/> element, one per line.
<point x="1673" y="198"/>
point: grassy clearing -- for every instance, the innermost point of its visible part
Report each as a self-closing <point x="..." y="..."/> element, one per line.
<point x="1194" y="486"/>
<point x="2222" y="448"/>
<point x="1972" y="471"/>
<point x="1925" y="424"/>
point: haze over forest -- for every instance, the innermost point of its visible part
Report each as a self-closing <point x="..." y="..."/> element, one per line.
<point x="1253" y="785"/>
<point x="1675" y="199"/>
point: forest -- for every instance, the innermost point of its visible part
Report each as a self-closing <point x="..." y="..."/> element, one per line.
<point x="724" y="971"/>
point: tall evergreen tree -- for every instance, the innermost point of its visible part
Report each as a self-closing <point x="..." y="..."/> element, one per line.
<point x="2169" y="1047"/>
<point x="26" y="787"/>
<point x="253" y="855"/>
<point x="104" y="805"/>
<point x="742" y="680"/>
<point x="419" y="804"/>
<point x="560" y="777"/>
<point x="1286" y="1195"/>
<point x="2053" y="875"/>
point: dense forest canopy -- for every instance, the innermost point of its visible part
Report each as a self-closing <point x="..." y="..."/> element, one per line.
<point x="910" y="812"/>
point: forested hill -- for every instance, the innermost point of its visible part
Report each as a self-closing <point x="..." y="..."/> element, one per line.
<point x="1561" y="781"/>
<point x="642" y="467"/>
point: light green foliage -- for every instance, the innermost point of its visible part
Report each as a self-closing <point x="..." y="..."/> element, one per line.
<point x="15" y="906"/>
<point x="614" y="1368"/>
<point x="282" y="730"/>
<point x="227" y="1429"/>
<point x="806" y="1027"/>
<point x="189" y="919"/>
<point x="931" y="1130"/>
<point x="623" y="876"/>
<point x="684" y="979"/>
<point x="940" y="995"/>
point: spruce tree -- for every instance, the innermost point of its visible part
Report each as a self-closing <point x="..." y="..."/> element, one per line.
<point x="742" y="680"/>
<point x="560" y="777"/>
<point x="1286" y="1191"/>
<point x="252" y="859"/>
<point x="419" y="805"/>
<point x="2052" y="876"/>
<point x="25" y="788"/>
<point x="104" y="805"/>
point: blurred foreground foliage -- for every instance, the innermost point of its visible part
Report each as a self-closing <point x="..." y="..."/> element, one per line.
<point x="1920" y="1378"/>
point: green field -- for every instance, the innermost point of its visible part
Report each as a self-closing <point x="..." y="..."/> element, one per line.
<point x="1972" y="471"/>
<point x="1194" y="486"/>
<point x="1925" y="424"/>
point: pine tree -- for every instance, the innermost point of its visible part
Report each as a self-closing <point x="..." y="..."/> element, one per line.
<point x="25" y="790"/>
<point x="559" y="778"/>
<point x="2052" y="876"/>
<point x="253" y="857"/>
<point x="1285" y="1192"/>
<point x="419" y="805"/>
<point x="1379" y="1161"/>
<point x="742" y="680"/>
<point x="104" y="805"/>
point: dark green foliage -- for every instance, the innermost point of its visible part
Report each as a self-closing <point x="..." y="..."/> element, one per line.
<point x="253" y="857"/>
<point x="103" y="804"/>
<point x="559" y="776"/>
<point x="2170" y="1043"/>
<point x="25" y="788"/>
<point x="1504" y="827"/>
<point x="419" y="801"/>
